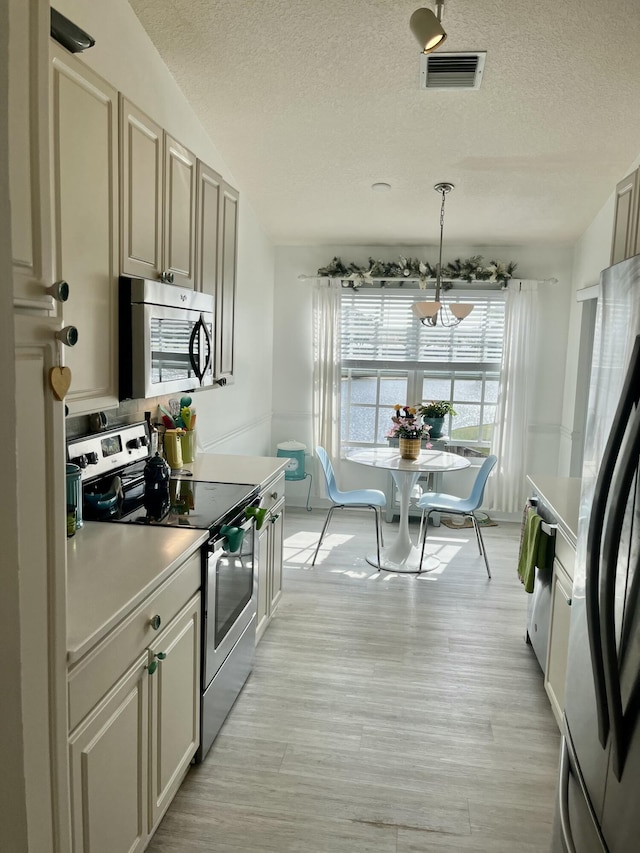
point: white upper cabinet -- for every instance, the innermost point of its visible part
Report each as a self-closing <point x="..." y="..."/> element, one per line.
<point x="626" y="220"/>
<point x="216" y="260"/>
<point x="158" y="201"/>
<point x="179" y="212"/>
<point x="84" y="111"/>
<point x="226" y="300"/>
<point x="28" y="152"/>
<point x="141" y="158"/>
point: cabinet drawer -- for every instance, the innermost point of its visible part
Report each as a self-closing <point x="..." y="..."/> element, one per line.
<point x="273" y="492"/>
<point x="565" y="553"/>
<point x="94" y="675"/>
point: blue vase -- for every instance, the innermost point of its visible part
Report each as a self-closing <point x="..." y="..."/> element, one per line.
<point x="436" y="424"/>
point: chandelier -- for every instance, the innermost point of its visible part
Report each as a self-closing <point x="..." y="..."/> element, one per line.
<point x="437" y="312"/>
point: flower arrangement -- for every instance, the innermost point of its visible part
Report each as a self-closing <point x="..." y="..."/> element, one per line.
<point x="436" y="409"/>
<point x="407" y="425"/>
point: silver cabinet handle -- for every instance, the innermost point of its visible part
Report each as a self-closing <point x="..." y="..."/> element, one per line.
<point x="155" y="622"/>
<point x="167" y="277"/>
<point x="59" y="290"/>
<point x="68" y="336"/>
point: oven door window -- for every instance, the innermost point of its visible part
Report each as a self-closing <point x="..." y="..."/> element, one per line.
<point x="181" y="346"/>
<point x="234" y="587"/>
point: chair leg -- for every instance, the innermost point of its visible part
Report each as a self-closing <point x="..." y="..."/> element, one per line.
<point x="477" y="532"/>
<point x="483" y="550"/>
<point x="376" y="514"/>
<point x="421" y="526"/>
<point x="324" y="530"/>
<point x="424" y="538"/>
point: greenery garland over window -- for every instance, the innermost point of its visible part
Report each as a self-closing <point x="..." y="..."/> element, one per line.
<point x="473" y="269"/>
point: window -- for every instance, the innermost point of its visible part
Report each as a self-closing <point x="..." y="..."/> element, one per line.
<point x="389" y="357"/>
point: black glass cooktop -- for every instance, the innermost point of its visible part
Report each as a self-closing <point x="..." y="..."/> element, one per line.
<point x="194" y="503"/>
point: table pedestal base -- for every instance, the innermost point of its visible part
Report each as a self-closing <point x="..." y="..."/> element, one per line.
<point x="392" y="561"/>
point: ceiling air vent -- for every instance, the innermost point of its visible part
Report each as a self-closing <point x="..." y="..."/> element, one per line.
<point x="451" y="70"/>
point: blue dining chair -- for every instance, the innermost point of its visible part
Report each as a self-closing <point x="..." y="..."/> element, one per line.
<point x="450" y="504"/>
<point x="354" y="499"/>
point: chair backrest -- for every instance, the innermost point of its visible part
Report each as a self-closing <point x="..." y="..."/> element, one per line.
<point x="327" y="469"/>
<point x="477" y="492"/>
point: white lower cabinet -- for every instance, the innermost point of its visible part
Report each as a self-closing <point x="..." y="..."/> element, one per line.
<point x="109" y="769"/>
<point x="269" y="548"/>
<point x="560" y="618"/>
<point x="174" y="708"/>
<point x="129" y="754"/>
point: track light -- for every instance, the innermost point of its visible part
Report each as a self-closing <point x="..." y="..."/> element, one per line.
<point x="427" y="28"/>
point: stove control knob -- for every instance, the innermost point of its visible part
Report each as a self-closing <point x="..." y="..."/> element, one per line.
<point x="80" y="461"/>
<point x="92" y="458"/>
<point x="143" y="441"/>
<point x="134" y="443"/>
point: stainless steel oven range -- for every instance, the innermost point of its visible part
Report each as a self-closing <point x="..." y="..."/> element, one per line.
<point x="112" y="466"/>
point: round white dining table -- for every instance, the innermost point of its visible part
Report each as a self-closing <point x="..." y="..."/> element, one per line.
<point x="402" y="555"/>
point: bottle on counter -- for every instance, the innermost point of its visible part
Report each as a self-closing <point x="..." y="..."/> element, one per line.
<point x="153" y="434"/>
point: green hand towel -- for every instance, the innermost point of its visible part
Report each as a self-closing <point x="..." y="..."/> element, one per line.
<point x="532" y="551"/>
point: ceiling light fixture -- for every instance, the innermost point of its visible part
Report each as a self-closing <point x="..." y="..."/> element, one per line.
<point x="430" y="313"/>
<point x="427" y="28"/>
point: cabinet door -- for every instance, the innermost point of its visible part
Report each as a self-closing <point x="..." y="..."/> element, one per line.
<point x="29" y="150"/>
<point x="262" y="571"/>
<point x="38" y="503"/>
<point x="209" y="201"/>
<point x="85" y="161"/>
<point x="556" y="670"/>
<point x="225" y="306"/>
<point x="109" y="769"/>
<point x="625" y="222"/>
<point x="141" y="163"/>
<point x="175" y="707"/>
<point x="277" y="541"/>
<point x="179" y="212"/>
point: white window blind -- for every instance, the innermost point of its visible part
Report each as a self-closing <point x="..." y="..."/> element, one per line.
<point x="379" y="326"/>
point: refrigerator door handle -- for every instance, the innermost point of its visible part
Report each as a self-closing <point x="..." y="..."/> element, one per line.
<point x="628" y="397"/>
<point x="563" y="798"/>
<point x="627" y="470"/>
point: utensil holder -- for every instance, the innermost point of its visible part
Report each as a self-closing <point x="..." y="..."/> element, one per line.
<point x="189" y="446"/>
<point x="173" y="448"/>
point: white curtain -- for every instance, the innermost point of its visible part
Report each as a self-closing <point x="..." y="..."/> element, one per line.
<point x="326" y="366"/>
<point x="507" y="489"/>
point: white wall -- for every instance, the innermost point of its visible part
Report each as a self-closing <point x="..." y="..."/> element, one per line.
<point x="591" y="255"/>
<point x="293" y="357"/>
<point x="237" y="418"/>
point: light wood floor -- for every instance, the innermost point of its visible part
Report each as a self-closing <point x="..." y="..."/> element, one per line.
<point x="386" y="713"/>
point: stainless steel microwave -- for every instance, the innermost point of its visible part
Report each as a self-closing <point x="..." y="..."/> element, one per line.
<point x="166" y="339"/>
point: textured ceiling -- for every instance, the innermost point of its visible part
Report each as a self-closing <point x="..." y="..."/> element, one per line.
<point x="310" y="103"/>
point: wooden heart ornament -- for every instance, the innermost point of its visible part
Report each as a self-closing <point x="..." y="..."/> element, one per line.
<point x="60" y="379"/>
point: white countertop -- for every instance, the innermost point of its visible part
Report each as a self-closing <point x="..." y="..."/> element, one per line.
<point x="111" y="568"/>
<point x="561" y="495"/>
<point x="230" y="468"/>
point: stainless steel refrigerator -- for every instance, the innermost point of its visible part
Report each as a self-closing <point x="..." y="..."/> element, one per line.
<point x="598" y="806"/>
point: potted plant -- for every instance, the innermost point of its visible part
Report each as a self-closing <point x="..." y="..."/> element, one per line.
<point x="434" y="412"/>
<point x="409" y="431"/>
